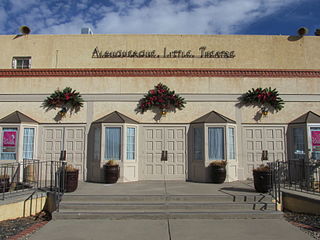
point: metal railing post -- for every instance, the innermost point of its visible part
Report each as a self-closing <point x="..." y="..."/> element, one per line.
<point x="51" y="176"/>
<point x="278" y="181"/>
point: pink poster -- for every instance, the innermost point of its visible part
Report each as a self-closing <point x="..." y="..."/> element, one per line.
<point x="315" y="136"/>
<point x="9" y="139"/>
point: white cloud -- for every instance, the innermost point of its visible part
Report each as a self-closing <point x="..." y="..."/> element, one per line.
<point x="189" y="17"/>
<point x="141" y="16"/>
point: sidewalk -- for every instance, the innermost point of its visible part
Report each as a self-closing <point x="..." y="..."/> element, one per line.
<point x="202" y="229"/>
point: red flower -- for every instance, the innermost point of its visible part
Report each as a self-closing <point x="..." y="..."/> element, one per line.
<point x="67" y="96"/>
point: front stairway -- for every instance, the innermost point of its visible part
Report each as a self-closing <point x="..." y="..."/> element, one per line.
<point x="173" y="200"/>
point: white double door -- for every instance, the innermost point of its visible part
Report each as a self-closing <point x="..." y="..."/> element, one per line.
<point x="257" y="139"/>
<point x="155" y="140"/>
<point x="69" y="138"/>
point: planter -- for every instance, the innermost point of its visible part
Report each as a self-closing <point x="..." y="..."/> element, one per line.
<point x="71" y="180"/>
<point x="29" y="174"/>
<point x="262" y="181"/>
<point x="112" y="173"/>
<point x="218" y="174"/>
<point x="4" y="184"/>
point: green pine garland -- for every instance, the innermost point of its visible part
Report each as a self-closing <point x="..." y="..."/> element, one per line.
<point x="266" y="96"/>
<point x="161" y="97"/>
<point x="67" y="99"/>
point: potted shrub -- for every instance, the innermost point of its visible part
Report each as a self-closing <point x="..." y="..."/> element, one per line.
<point x="71" y="178"/>
<point x="262" y="178"/>
<point x="4" y="183"/>
<point x="218" y="171"/>
<point x="112" y="171"/>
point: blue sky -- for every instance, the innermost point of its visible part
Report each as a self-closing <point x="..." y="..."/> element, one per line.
<point x="272" y="17"/>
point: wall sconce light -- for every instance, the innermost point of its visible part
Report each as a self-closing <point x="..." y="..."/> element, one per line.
<point x="63" y="112"/>
<point x="317" y="32"/>
<point x="264" y="111"/>
<point x="163" y="112"/>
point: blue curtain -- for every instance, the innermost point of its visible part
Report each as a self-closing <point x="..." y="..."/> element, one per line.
<point x="112" y="143"/>
<point x="216" y="143"/>
<point x="231" y="144"/>
<point x="28" y="143"/>
<point x="131" y="137"/>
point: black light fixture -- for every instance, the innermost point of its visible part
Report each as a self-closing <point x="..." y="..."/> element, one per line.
<point x="317" y="32"/>
<point x="25" y="30"/>
<point x="302" y="31"/>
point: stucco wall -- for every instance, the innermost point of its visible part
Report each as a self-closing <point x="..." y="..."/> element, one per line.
<point x="75" y="51"/>
<point x="182" y="85"/>
<point x="123" y="93"/>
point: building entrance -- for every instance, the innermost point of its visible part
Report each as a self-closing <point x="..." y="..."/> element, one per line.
<point x="164" y="153"/>
<point x="72" y="139"/>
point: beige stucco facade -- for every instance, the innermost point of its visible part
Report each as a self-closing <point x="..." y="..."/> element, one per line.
<point x="75" y="51"/>
<point x="287" y="61"/>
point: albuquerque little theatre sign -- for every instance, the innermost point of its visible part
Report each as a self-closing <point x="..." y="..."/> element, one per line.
<point x="203" y="52"/>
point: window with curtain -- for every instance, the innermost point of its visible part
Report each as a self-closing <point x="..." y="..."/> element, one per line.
<point x="298" y="142"/>
<point x="112" y="143"/>
<point x="216" y="143"/>
<point x="9" y="144"/>
<point x="198" y="143"/>
<point x="231" y="144"/>
<point x="28" y="143"/>
<point x="131" y="143"/>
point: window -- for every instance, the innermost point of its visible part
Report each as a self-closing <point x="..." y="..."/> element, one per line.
<point x="231" y="144"/>
<point x="112" y="143"/>
<point x="298" y="142"/>
<point x="315" y="142"/>
<point x="131" y="142"/>
<point x="198" y="143"/>
<point x="21" y="62"/>
<point x="9" y="144"/>
<point x="28" y="143"/>
<point x="216" y="143"/>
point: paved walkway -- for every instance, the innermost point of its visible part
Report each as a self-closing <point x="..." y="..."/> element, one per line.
<point x="171" y="187"/>
<point x="204" y="229"/>
<point x="173" y="229"/>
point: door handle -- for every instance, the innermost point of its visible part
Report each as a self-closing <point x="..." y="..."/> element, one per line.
<point x="264" y="156"/>
<point x="164" y="156"/>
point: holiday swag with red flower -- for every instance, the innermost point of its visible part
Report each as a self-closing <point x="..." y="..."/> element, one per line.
<point x="161" y="97"/>
<point x="263" y="97"/>
<point x="67" y="99"/>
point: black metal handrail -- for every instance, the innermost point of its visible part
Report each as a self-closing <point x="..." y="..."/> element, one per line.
<point x="298" y="175"/>
<point x="32" y="174"/>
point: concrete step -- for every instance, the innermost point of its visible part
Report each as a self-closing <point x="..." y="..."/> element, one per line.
<point x="162" y="198"/>
<point x="155" y="215"/>
<point x="172" y="206"/>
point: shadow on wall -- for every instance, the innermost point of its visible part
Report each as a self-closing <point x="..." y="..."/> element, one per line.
<point x="294" y="38"/>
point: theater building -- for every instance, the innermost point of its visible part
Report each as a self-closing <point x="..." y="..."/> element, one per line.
<point x="113" y="72"/>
